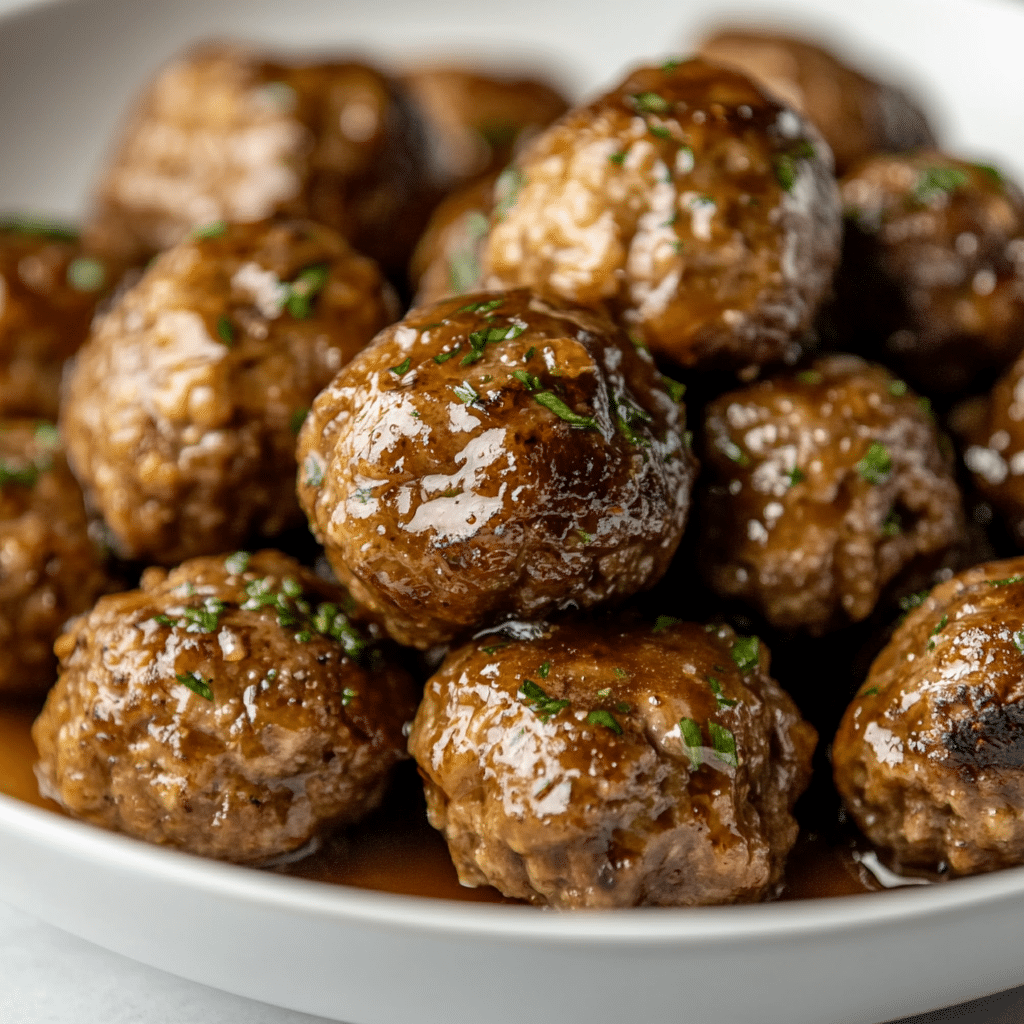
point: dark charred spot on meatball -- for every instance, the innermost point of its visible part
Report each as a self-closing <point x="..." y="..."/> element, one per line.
<point x="995" y="739"/>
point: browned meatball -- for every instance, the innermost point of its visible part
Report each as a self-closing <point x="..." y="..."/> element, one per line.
<point x="700" y="212"/>
<point x="929" y="755"/>
<point x="182" y="408"/>
<point x="932" y="278"/>
<point x="857" y="115"/>
<point x="476" y="121"/>
<point x="599" y="765"/>
<point x="228" y="708"/>
<point x="493" y="457"/>
<point x="50" y="569"/>
<point x="49" y="288"/>
<point x="447" y="257"/>
<point x="224" y="133"/>
<point x="994" y="450"/>
<point x="823" y="485"/>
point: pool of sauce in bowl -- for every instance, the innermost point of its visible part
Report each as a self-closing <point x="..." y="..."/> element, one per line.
<point x="395" y="849"/>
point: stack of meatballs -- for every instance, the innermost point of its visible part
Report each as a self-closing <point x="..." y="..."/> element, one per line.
<point x="536" y="571"/>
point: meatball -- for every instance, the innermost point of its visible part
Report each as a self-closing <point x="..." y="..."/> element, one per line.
<point x="228" y="708"/>
<point x="50" y="287"/>
<point x="182" y="407"/>
<point x="447" y="257"/>
<point x="475" y="121"/>
<point x="50" y="569"/>
<point x="602" y="765"/>
<point x="857" y="115"/>
<point x="822" y="485"/>
<point x="224" y="133"/>
<point x="929" y="757"/>
<point x="932" y="278"/>
<point x="701" y="213"/>
<point x="490" y="457"/>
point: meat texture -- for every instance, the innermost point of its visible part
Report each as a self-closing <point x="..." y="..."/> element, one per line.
<point x="182" y="407"/>
<point x="822" y="485"/>
<point x="50" y="568"/>
<point x="229" y="708"/>
<point x="698" y="211"/>
<point x="494" y="456"/>
<point x="602" y="765"/>
<point x="929" y="758"/>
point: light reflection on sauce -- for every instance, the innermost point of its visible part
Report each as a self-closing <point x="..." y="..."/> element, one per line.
<point x="395" y="849"/>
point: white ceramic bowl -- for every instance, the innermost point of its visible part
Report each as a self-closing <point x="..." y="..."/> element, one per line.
<point x="66" y="71"/>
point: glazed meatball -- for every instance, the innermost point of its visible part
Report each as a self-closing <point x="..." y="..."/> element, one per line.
<point x="229" y="708"/>
<point x="50" y="287"/>
<point x="929" y="755"/>
<point x="475" y="121"/>
<point x="603" y="765"/>
<point x="224" y="133"/>
<point x="994" y="450"/>
<point x="857" y="115"/>
<point x="183" y="406"/>
<point x="50" y="568"/>
<point x="493" y="457"/>
<point x="823" y="484"/>
<point x="932" y="279"/>
<point x="447" y="257"/>
<point x="699" y="212"/>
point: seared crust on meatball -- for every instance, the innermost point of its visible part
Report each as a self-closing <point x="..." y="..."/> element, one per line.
<point x="494" y="456"/>
<point x="929" y="757"/>
<point x="182" y="408"/>
<point x="227" y="134"/>
<point x="823" y="485"/>
<point x="50" y="288"/>
<point x="228" y="708"/>
<point x="599" y="765"/>
<point x="932" y="278"/>
<point x="699" y="212"/>
<point x="857" y="115"/>
<point x="476" y="121"/>
<point x="50" y="569"/>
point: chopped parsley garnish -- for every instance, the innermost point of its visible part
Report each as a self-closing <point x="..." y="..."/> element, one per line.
<point x="720" y="698"/>
<point x="443" y="357"/>
<point x="204" y="619"/>
<point x="659" y="131"/>
<point x="506" y="190"/>
<point x="796" y="476"/>
<point x="305" y="288"/>
<point x="237" y="563"/>
<point x="480" y="307"/>
<point x="553" y="403"/>
<point x="47" y="435"/>
<point x="910" y="601"/>
<point x="943" y="622"/>
<point x="871" y="691"/>
<point x="39" y="227"/>
<point x="745" y="652"/>
<point x="674" y="388"/>
<point x="935" y="181"/>
<point x="1007" y="582"/>
<point x="670" y="65"/>
<point x="544" y="669"/>
<point x="649" y="103"/>
<point x="809" y="377"/>
<point x="693" y="742"/>
<point x="314" y="471"/>
<point x="663" y="622"/>
<point x="620" y="672"/>
<point x="494" y="648"/>
<point x="893" y="524"/>
<point x="225" y="331"/>
<point x="605" y="693"/>
<point x="544" y="706"/>
<point x="897" y="388"/>
<point x="26" y="476"/>
<point x="466" y="393"/>
<point x="347" y="696"/>
<point x="993" y="172"/>
<point x="724" y="743"/>
<point x="1018" y="641"/>
<point x="47" y="438"/>
<point x="733" y="452"/>
<point x="402" y="367"/>
<point x="604" y="718"/>
<point x="618" y="158"/>
<point x="628" y="413"/>
<point x="530" y="352"/>
<point x="164" y="620"/>
<point x="478" y="339"/>
<point x="785" y="164"/>
<point x="303" y="636"/>
<point x="196" y="683"/>
<point x="532" y="383"/>
<point x="925" y="405"/>
<point x="214" y="229"/>
<point x="295" y="421"/>
<point x="876" y="465"/>
<point x="584" y="536"/>
<point x="86" y="274"/>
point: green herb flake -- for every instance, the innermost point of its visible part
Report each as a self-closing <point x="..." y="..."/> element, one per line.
<point x="720" y="698"/>
<point x="925" y="405"/>
<point x="39" y="227"/>
<point x="659" y="131"/>
<point x="604" y="718"/>
<point x="545" y="669"/>
<point x="910" y="601"/>
<point x="746" y="651"/>
<point x="295" y="421"/>
<point x="237" y="563"/>
<point x="786" y="164"/>
<point x="214" y="229"/>
<point x="47" y="435"/>
<point x="620" y="672"/>
<point x="291" y="587"/>
<point x="225" y="331"/>
<point x="872" y="691"/>
<point x="993" y="172"/>
<point x="724" y="743"/>
<point x="205" y="618"/>
<point x="605" y="693"/>
<point x="897" y="388"/>
<point x="303" y="637"/>
<point x="197" y="684"/>
<point x="24" y="476"/>
<point x="402" y="367"/>
<point x="693" y="742"/>
<point x="443" y="357"/>
<point x="670" y="65"/>
<point x="663" y="622"/>
<point x="892" y="526"/>
<point x="506" y="190"/>
<point x="554" y="404"/>
<point x="463" y="269"/>
<point x="675" y="390"/>
<point x="479" y="339"/>
<point x="544" y="706"/>
<point x="1007" y="582"/>
<point x="164" y="620"/>
<point x="942" y="623"/>
<point x="305" y="288"/>
<point x="876" y="465"/>
<point x="347" y="696"/>
<point x="1018" y="641"/>
<point x="618" y="158"/>
<point x="530" y="353"/>
<point x="796" y="476"/>
<point x="933" y="182"/>
<point x="494" y="648"/>
<point x="481" y="307"/>
<point x="86" y="274"/>
<point x="584" y="536"/>
<point x="466" y="393"/>
<point x="733" y="452"/>
<point x="809" y="377"/>
<point x="649" y="103"/>
<point x="314" y="472"/>
<point x="531" y="382"/>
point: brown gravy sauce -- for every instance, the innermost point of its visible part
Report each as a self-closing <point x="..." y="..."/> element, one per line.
<point x="395" y="849"/>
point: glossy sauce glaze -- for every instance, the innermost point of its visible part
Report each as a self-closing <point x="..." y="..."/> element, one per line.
<point x="395" y="850"/>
